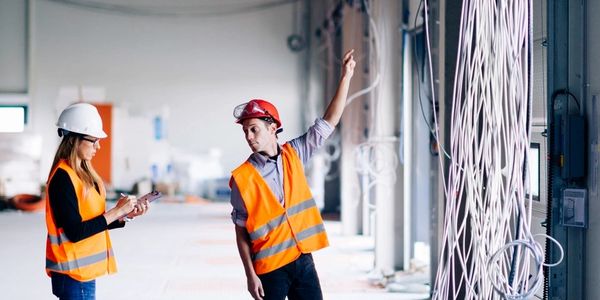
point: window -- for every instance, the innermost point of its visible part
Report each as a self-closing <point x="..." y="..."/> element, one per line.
<point x="13" y="118"/>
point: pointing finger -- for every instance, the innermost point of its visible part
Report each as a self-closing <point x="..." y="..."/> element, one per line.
<point x="348" y="55"/>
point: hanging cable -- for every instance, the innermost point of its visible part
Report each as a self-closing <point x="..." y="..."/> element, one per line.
<point x="567" y="93"/>
<point x="486" y="213"/>
<point x="419" y="81"/>
<point x="327" y="32"/>
<point x="376" y="58"/>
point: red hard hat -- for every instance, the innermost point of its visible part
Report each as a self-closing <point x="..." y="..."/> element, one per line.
<point x="256" y="108"/>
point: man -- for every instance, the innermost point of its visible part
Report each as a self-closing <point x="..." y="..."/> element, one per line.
<point x="277" y="222"/>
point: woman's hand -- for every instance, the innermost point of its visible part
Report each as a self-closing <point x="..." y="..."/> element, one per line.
<point x="125" y="205"/>
<point x="140" y="208"/>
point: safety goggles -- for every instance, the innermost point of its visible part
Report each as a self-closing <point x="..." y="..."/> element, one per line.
<point x="94" y="142"/>
<point x="249" y="108"/>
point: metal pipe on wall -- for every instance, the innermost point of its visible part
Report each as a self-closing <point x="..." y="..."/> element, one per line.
<point x="407" y="137"/>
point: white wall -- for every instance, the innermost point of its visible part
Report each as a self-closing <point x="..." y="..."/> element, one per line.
<point x="200" y="67"/>
<point x="13" y="37"/>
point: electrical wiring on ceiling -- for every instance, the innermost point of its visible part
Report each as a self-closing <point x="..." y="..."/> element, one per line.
<point x="214" y="9"/>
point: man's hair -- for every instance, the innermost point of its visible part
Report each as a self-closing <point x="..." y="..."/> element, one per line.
<point x="270" y="121"/>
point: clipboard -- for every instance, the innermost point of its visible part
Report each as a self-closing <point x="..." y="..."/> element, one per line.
<point x="150" y="196"/>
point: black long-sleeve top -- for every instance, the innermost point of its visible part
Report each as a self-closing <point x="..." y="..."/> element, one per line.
<point x="63" y="201"/>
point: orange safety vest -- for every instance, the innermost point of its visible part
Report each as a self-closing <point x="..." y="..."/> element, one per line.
<point x="280" y="234"/>
<point x="89" y="258"/>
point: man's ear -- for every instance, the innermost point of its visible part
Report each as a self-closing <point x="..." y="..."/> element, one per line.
<point x="273" y="128"/>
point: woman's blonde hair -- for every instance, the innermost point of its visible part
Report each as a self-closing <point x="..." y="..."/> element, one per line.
<point x="67" y="150"/>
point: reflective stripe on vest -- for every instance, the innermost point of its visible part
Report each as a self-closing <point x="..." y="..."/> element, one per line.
<point x="77" y="263"/>
<point x="265" y="229"/>
<point x="279" y="234"/>
<point x="291" y="242"/>
<point x="86" y="259"/>
<point x="58" y="239"/>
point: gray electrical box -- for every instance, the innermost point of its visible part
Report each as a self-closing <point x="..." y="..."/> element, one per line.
<point x="574" y="208"/>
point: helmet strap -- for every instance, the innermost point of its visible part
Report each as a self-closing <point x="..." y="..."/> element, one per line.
<point x="62" y="132"/>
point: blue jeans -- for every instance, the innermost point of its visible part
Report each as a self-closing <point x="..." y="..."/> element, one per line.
<point x="297" y="280"/>
<point x="67" y="288"/>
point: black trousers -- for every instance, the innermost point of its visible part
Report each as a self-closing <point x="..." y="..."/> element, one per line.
<point x="297" y="280"/>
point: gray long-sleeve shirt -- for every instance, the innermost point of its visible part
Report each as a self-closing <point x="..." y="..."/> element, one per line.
<point x="271" y="169"/>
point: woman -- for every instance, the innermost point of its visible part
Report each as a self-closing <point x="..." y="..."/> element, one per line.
<point x="78" y="247"/>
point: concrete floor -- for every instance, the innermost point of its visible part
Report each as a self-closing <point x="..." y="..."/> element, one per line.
<point x="178" y="251"/>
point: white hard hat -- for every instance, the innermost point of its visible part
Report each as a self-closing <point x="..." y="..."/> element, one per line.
<point x="82" y="118"/>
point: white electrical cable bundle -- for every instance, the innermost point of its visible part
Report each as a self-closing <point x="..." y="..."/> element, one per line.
<point x="377" y="160"/>
<point x="488" y="251"/>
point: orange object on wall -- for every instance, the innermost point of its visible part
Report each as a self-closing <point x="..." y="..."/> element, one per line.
<point x="103" y="160"/>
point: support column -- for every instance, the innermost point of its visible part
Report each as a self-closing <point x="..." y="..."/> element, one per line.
<point x="353" y="123"/>
<point x="389" y="234"/>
